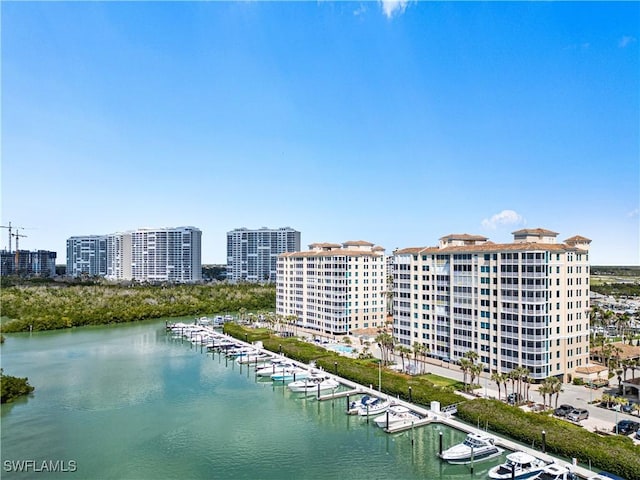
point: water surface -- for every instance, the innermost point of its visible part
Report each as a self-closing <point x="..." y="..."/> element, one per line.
<point x="130" y="402"/>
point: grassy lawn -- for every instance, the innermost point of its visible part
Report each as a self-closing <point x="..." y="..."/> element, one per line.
<point x="443" y="381"/>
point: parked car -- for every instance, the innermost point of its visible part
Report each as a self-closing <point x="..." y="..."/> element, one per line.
<point x="625" y="427"/>
<point x="563" y="410"/>
<point x="578" y="414"/>
<point x="513" y="398"/>
<point x="628" y="407"/>
<point x="637" y="435"/>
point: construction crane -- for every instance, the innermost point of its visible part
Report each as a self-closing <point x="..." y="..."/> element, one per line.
<point x="10" y="234"/>
<point x="17" y="237"/>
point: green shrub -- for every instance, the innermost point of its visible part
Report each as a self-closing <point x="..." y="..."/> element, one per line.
<point x="13" y="387"/>
<point x="615" y="454"/>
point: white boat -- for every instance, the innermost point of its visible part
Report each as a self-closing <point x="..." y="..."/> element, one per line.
<point x="556" y="472"/>
<point x="253" y="358"/>
<point x="240" y="351"/>
<point x="396" y="415"/>
<point x="519" y="465"/>
<point x="354" y="407"/>
<point x="368" y="406"/>
<point x="291" y="373"/>
<point x="314" y="383"/>
<point x="274" y="368"/>
<point x="481" y="447"/>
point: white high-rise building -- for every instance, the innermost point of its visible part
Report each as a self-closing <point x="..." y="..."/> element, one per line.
<point x="333" y="288"/>
<point x="252" y="254"/>
<point x="520" y="304"/>
<point x="148" y="254"/>
<point x="166" y="255"/>
<point x="87" y="255"/>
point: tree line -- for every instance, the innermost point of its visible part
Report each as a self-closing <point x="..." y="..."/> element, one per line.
<point x="49" y="307"/>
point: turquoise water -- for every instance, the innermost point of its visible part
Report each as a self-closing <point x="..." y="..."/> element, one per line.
<point x="340" y="348"/>
<point x="131" y="402"/>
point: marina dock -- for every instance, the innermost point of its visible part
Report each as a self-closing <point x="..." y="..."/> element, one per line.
<point x="431" y="415"/>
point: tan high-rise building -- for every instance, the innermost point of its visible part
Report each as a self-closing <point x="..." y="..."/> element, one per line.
<point x="333" y="288"/>
<point x="520" y="304"/>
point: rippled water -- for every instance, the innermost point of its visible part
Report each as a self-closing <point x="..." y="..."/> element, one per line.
<point x="131" y="402"/>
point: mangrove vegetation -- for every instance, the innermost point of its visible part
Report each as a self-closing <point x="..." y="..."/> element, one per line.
<point x="13" y="387"/>
<point x="51" y="306"/>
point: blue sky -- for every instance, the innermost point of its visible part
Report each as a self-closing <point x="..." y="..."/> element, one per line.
<point x="394" y="122"/>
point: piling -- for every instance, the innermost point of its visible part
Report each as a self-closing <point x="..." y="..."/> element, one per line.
<point x="471" y="459"/>
<point x="544" y="441"/>
<point x="440" y="444"/>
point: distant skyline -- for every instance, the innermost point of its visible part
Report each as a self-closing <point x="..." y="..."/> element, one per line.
<point x="391" y="122"/>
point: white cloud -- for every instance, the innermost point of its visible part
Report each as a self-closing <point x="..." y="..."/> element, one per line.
<point x="625" y="41"/>
<point x="393" y="7"/>
<point x="505" y="217"/>
<point x="634" y="213"/>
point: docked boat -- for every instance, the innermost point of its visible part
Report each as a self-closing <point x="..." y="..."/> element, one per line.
<point x="368" y="406"/>
<point x="396" y="415"/>
<point x="240" y="351"/>
<point x="291" y="373"/>
<point x="276" y="366"/>
<point x="356" y="405"/>
<point x="555" y="471"/>
<point x="314" y="383"/>
<point x="478" y="447"/>
<point x="519" y="465"/>
<point x="253" y="358"/>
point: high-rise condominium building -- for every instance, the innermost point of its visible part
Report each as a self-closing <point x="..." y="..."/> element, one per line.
<point x="333" y="288"/>
<point x="520" y="304"/>
<point x="252" y="254"/>
<point x="145" y="255"/>
<point x="87" y="255"/>
<point x="166" y="255"/>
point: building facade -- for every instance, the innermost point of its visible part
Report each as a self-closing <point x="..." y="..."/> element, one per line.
<point x="333" y="288"/>
<point x="144" y="255"/>
<point x="166" y="255"/>
<point x="252" y="255"/>
<point x="87" y="255"/>
<point x="41" y="263"/>
<point x="521" y="304"/>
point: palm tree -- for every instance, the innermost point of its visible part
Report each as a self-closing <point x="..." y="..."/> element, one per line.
<point x="525" y="381"/>
<point x="385" y="342"/>
<point x="474" y="372"/>
<point x="465" y="365"/>
<point x="555" y="387"/>
<point x="415" y="350"/>
<point x="403" y="351"/>
<point x="544" y="390"/>
<point x="636" y="408"/>
<point x="497" y="377"/>
<point x="424" y="351"/>
<point x="513" y="375"/>
<point x="505" y="381"/>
